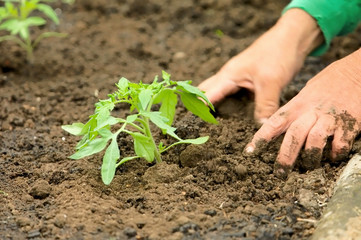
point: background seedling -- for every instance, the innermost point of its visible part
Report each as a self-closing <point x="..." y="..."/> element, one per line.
<point x="141" y="97"/>
<point x="16" y="18"/>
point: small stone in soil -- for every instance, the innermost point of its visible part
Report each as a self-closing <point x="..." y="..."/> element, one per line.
<point x="189" y="228"/>
<point x="140" y="225"/>
<point x="60" y="220"/>
<point x="130" y="232"/>
<point x="33" y="234"/>
<point x="211" y="212"/>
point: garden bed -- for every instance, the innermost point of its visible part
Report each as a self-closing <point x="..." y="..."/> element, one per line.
<point x="208" y="191"/>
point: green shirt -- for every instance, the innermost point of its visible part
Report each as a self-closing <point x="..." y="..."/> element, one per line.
<point x="334" y="17"/>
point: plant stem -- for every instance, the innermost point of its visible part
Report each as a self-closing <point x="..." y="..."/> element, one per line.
<point x="29" y="51"/>
<point x="148" y="133"/>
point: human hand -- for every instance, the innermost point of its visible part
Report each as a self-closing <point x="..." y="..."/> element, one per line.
<point x="329" y="105"/>
<point x="268" y="64"/>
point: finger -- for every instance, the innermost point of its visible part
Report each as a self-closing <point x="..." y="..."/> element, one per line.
<point x="317" y="137"/>
<point x="217" y="88"/>
<point x="272" y="128"/>
<point x="294" y="139"/>
<point x="343" y="140"/>
<point x="316" y="141"/>
<point x="266" y="100"/>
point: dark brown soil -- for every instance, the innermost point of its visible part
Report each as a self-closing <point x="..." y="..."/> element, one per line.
<point x="199" y="192"/>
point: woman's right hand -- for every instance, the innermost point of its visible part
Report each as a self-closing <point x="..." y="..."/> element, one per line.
<point x="268" y="64"/>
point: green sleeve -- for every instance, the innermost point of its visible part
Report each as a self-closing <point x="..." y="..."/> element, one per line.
<point x="334" y="17"/>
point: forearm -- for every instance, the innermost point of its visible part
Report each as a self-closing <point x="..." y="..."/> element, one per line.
<point x="302" y="29"/>
<point x="334" y="17"/>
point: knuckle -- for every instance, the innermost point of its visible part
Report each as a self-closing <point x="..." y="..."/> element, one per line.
<point x="316" y="135"/>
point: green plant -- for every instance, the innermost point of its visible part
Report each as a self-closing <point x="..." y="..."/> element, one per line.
<point x="16" y="18"/>
<point x="141" y="97"/>
<point x="219" y="33"/>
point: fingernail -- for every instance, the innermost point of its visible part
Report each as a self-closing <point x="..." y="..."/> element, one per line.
<point x="282" y="171"/>
<point x="249" y="149"/>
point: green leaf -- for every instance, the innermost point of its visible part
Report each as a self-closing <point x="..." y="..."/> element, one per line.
<point x="49" y="12"/>
<point x="166" y="77"/>
<point x="132" y="118"/>
<point x="93" y="147"/>
<point x="10" y="25"/>
<point x="34" y="21"/>
<point x="168" y="106"/>
<point x="26" y="7"/>
<point x="10" y="8"/>
<point x="103" y="108"/>
<point x="197" y="107"/>
<point x="105" y="133"/>
<point x="24" y="33"/>
<point x="3" y="13"/>
<point x="106" y="122"/>
<point x="144" y="98"/>
<point x="89" y="126"/>
<point x="143" y="146"/>
<point x="161" y="122"/>
<point x="169" y="102"/>
<point x="123" y="85"/>
<point x="110" y="159"/>
<point x="185" y="85"/>
<point x="48" y="35"/>
<point x="199" y="140"/>
<point x="74" y="129"/>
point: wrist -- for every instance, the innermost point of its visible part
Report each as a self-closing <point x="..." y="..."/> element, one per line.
<point x="302" y="29"/>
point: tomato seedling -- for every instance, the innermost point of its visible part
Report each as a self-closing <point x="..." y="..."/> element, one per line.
<point x="15" y="17"/>
<point x="97" y="132"/>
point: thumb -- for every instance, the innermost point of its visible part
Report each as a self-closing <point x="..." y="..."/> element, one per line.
<point x="266" y="102"/>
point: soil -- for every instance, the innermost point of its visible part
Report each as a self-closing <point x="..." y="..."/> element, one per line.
<point x="210" y="191"/>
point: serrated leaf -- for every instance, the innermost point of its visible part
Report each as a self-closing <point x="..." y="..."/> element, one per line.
<point x="105" y="122"/>
<point x="191" y="89"/>
<point x="155" y="78"/>
<point x="89" y="126"/>
<point x="49" y="12"/>
<point x="143" y="146"/>
<point x="166" y="76"/>
<point x="197" y="107"/>
<point x="74" y="129"/>
<point x="93" y="147"/>
<point x="161" y="122"/>
<point x="110" y="159"/>
<point x="144" y="98"/>
<point x="123" y="85"/>
<point x="103" y="108"/>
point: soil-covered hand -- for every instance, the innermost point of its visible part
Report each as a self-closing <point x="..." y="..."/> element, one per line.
<point x="328" y="106"/>
<point x="268" y="64"/>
